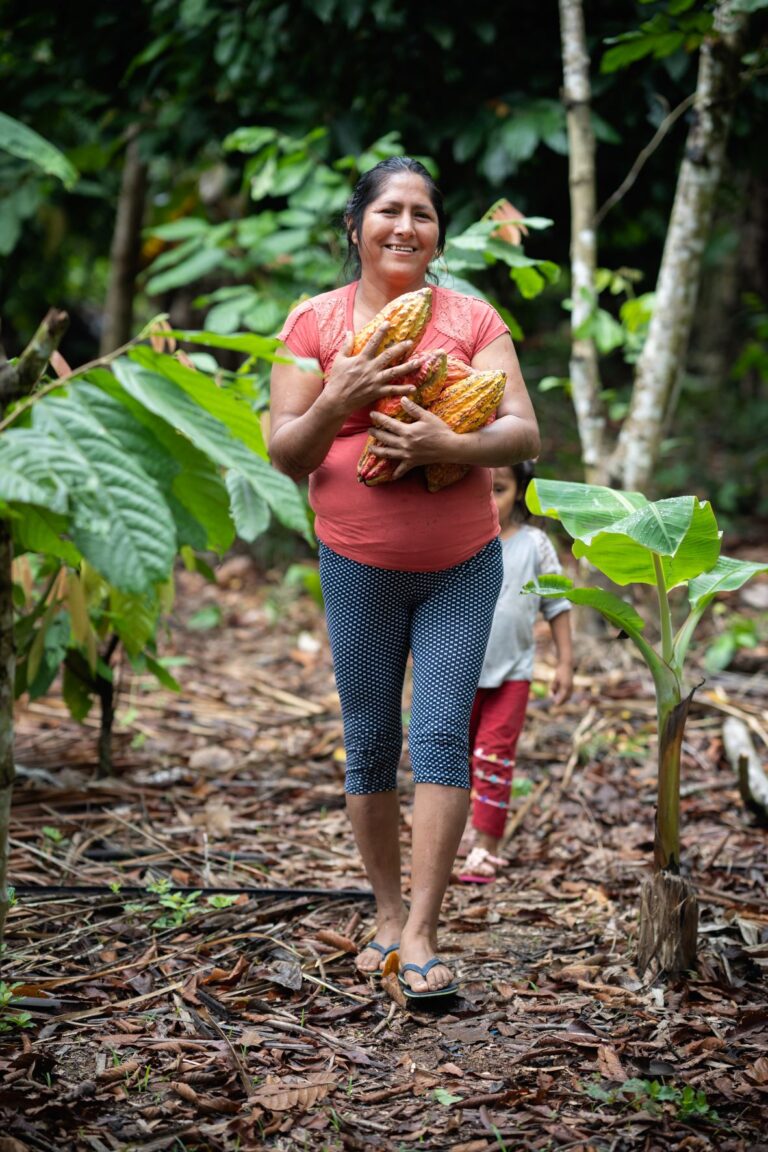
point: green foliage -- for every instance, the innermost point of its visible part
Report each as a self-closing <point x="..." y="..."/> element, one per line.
<point x="681" y="28"/>
<point x="686" y="1103"/>
<point x="20" y="141"/>
<point x="739" y="632"/>
<point x="290" y="246"/>
<point x="666" y="544"/>
<point x="10" y="1016"/>
<point x="105" y="479"/>
<point x="307" y="578"/>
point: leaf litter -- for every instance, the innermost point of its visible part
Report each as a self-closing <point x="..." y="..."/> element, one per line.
<point x="182" y="947"/>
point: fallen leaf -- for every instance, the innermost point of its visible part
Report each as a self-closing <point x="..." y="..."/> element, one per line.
<point x="391" y="986"/>
<point x="336" y="940"/>
<point x="280" y="1096"/>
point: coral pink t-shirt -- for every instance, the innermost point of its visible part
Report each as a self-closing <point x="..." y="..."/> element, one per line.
<point x="401" y="524"/>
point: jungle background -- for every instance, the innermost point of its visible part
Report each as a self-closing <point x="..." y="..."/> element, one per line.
<point x="177" y="971"/>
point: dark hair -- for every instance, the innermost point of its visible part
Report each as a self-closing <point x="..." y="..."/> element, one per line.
<point x="369" y="186"/>
<point x="523" y="474"/>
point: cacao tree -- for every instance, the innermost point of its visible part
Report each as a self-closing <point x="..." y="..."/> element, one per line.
<point x="668" y="544"/>
<point x="106" y="475"/>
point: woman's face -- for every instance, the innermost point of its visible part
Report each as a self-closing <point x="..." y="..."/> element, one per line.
<point x="400" y="231"/>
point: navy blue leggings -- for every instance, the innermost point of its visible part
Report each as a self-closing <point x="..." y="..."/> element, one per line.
<point x="375" y="617"/>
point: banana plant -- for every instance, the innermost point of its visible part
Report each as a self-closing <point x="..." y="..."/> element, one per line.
<point x="667" y="544"/>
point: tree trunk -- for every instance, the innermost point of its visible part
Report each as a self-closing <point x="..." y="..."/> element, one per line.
<point x="16" y="381"/>
<point x="124" y="253"/>
<point x="669" y="923"/>
<point x="584" y="372"/>
<point x="663" y="357"/>
<point x="7" y="677"/>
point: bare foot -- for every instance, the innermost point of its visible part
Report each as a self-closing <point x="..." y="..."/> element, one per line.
<point x="419" y="950"/>
<point x="481" y="865"/>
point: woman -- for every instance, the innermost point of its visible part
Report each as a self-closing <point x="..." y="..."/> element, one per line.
<point x="402" y="569"/>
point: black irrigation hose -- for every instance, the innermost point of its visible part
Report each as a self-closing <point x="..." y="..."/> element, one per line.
<point x="142" y="890"/>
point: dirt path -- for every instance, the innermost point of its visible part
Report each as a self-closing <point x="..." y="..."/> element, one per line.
<point x="184" y="934"/>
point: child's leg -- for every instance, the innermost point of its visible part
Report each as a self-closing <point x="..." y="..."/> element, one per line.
<point x="499" y="724"/>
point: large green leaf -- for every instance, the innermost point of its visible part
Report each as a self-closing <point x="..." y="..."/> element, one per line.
<point x="681" y="532"/>
<point x="250" y="511"/>
<point x="221" y="403"/>
<point x="197" y="483"/>
<point x="26" y="144"/>
<point x="583" y="509"/>
<point x="728" y="575"/>
<point x="263" y="347"/>
<point x="40" y="530"/>
<point x="162" y="395"/>
<point x="120" y="521"/>
<point x="25" y="477"/>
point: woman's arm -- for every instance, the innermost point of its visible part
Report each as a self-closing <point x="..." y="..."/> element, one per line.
<point x="306" y="416"/>
<point x="513" y="436"/>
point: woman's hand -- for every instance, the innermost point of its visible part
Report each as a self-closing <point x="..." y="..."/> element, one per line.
<point x="426" y="439"/>
<point x="359" y="381"/>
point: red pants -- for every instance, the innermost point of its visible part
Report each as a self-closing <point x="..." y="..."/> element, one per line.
<point x="498" y="715"/>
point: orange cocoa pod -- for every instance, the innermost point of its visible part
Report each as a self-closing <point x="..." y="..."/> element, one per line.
<point x="466" y="405"/>
<point x="441" y="475"/>
<point x="456" y="370"/>
<point x="407" y="317"/>
<point x="428" y="381"/>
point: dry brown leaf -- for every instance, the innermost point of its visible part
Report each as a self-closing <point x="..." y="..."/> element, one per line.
<point x="59" y="365"/>
<point x="184" y="1091"/>
<point x="10" y="1144"/>
<point x="510" y="233"/>
<point x="118" y="1071"/>
<point x="336" y="940"/>
<point x="758" y="1071"/>
<point x="280" y="1096"/>
<point x="391" y="986"/>
<point x="610" y="1065"/>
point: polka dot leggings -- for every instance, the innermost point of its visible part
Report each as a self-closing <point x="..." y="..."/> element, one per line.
<point x="375" y="617"/>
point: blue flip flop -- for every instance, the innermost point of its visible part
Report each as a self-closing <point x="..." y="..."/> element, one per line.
<point x="384" y="952"/>
<point x="430" y="994"/>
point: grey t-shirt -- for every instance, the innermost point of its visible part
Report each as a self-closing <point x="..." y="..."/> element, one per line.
<point x="528" y="553"/>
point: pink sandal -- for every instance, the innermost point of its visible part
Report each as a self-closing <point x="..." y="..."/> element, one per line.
<point x="480" y="867"/>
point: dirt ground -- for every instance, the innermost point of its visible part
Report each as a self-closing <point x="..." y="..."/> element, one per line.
<point x="182" y="943"/>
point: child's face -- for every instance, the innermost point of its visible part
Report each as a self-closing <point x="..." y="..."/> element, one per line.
<point x="504" y="493"/>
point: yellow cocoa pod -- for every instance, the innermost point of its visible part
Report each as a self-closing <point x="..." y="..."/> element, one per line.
<point x="441" y="475"/>
<point x="407" y="317"/>
<point x="428" y="381"/>
<point x="466" y="405"/>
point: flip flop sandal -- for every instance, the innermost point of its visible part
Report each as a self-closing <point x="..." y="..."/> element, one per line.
<point x="384" y="952"/>
<point x="449" y="989"/>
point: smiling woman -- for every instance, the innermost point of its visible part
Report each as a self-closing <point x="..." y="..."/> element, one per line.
<point x="403" y="570"/>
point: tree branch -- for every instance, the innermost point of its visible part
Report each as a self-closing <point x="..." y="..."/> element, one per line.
<point x="17" y="380"/>
<point x="643" y="156"/>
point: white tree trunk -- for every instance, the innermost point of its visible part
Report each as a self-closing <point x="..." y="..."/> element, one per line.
<point x="584" y="373"/>
<point x="663" y="357"/>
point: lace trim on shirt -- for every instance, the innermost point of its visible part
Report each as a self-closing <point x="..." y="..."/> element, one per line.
<point x="331" y="316"/>
<point x="453" y="318"/>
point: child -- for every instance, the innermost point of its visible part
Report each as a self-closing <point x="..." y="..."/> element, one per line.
<point x="499" y="709"/>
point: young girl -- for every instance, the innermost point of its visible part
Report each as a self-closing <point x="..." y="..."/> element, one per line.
<point x="499" y="709"/>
